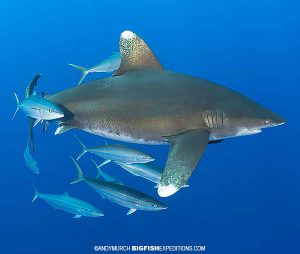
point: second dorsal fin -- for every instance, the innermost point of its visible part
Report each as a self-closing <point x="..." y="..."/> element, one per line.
<point x="135" y="54"/>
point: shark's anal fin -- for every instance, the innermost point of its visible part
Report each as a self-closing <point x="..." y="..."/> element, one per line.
<point x="135" y="54"/>
<point x="77" y="216"/>
<point x="185" y="152"/>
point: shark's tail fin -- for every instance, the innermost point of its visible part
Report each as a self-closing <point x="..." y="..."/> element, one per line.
<point x="36" y="194"/>
<point x="80" y="174"/>
<point x="17" y="99"/>
<point x="84" y="148"/>
<point x="84" y="71"/>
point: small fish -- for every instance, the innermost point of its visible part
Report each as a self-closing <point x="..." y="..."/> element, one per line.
<point x="120" y="194"/>
<point x="108" y="65"/>
<point x="69" y="204"/>
<point x="39" y="108"/>
<point x="145" y="170"/>
<point x="104" y="175"/>
<point x="113" y="153"/>
<point x="30" y="162"/>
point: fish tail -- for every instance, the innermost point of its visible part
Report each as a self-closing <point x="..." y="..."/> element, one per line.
<point x="84" y="71"/>
<point x="84" y="148"/>
<point x="96" y="165"/>
<point x="36" y="194"/>
<point x="99" y="174"/>
<point x="17" y="99"/>
<point x="80" y="174"/>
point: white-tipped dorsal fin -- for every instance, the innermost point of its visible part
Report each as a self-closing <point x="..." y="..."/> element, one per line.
<point x="135" y="54"/>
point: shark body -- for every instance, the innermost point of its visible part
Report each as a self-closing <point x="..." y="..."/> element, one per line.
<point x="143" y="103"/>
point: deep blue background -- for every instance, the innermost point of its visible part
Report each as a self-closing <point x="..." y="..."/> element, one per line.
<point x="244" y="196"/>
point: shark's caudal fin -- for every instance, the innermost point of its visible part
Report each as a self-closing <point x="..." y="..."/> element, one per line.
<point x="17" y="100"/>
<point x="84" y="71"/>
<point x="84" y="148"/>
<point x="36" y="194"/>
<point x="80" y="174"/>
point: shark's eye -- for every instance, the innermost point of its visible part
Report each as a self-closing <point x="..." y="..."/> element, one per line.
<point x="50" y="110"/>
<point x="267" y="121"/>
<point x="155" y="205"/>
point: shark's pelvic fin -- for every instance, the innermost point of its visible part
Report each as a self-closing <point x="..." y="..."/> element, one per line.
<point x="135" y="54"/>
<point x="185" y="152"/>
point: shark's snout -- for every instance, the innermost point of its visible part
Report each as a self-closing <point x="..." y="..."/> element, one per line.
<point x="273" y="120"/>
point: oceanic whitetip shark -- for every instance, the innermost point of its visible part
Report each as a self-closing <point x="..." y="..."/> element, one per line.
<point x="144" y="103"/>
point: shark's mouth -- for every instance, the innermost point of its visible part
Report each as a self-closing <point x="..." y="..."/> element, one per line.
<point x="244" y="132"/>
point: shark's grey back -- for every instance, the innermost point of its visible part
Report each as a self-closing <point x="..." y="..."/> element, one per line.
<point x="145" y="105"/>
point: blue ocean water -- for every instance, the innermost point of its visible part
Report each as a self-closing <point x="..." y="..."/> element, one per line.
<point x="244" y="196"/>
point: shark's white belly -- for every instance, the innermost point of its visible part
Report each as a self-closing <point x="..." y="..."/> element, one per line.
<point x="125" y="137"/>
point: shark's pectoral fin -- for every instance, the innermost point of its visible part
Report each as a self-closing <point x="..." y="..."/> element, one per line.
<point x="135" y="54"/>
<point x="185" y="153"/>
